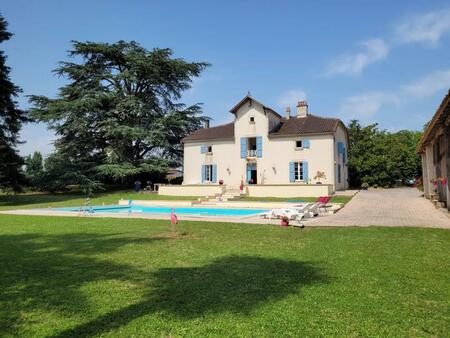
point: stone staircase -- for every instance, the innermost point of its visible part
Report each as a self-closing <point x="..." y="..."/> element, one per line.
<point x="230" y="194"/>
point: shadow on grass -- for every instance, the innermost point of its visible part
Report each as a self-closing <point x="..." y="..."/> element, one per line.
<point x="236" y="284"/>
<point x="46" y="272"/>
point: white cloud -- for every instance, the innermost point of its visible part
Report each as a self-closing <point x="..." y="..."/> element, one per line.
<point x="365" y="106"/>
<point x="291" y="98"/>
<point x="428" y="85"/>
<point x="427" y="27"/>
<point x="374" y="50"/>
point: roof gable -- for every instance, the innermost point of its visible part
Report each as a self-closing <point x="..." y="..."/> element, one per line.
<point x="248" y="98"/>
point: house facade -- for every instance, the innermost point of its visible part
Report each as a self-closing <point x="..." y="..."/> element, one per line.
<point x="269" y="154"/>
<point x="434" y="148"/>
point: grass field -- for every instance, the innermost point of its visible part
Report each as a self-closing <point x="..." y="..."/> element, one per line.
<point x="42" y="200"/>
<point x="39" y="200"/>
<point x="79" y="277"/>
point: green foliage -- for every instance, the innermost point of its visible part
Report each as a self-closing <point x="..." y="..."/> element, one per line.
<point x="34" y="169"/>
<point x="11" y="120"/>
<point x="379" y="158"/>
<point x="119" y="116"/>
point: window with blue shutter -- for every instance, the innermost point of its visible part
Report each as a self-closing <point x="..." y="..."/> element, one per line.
<point x="203" y="149"/>
<point x="339" y="173"/>
<point x="259" y="146"/>
<point x="305" y="143"/>
<point x="305" y="171"/>
<point x="292" y="172"/>
<point x="340" y="148"/>
<point x="203" y="173"/>
<point x="243" y="147"/>
<point x="214" y="173"/>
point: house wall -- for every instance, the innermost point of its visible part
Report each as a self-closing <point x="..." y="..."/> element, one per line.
<point x="277" y="153"/>
<point x="190" y="190"/>
<point x="431" y="168"/>
<point x="340" y="136"/>
<point x="291" y="190"/>
<point x="224" y="154"/>
<point x="283" y="151"/>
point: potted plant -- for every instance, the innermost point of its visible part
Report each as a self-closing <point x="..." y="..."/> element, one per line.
<point x="320" y="175"/>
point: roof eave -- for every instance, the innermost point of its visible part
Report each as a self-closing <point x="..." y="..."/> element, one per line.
<point x="424" y="140"/>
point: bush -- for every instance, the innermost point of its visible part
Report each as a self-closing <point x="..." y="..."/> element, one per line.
<point x="365" y="186"/>
<point x="375" y="186"/>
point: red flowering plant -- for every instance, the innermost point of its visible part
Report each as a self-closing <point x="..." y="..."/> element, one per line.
<point x="443" y="180"/>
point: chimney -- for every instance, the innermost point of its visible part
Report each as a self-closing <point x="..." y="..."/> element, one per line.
<point x="206" y="123"/>
<point x="302" y="109"/>
<point x="288" y="113"/>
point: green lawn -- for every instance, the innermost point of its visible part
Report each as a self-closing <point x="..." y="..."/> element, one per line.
<point x="37" y="200"/>
<point x="334" y="199"/>
<point x="76" y="277"/>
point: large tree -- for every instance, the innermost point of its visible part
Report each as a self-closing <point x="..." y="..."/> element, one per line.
<point x="11" y="120"/>
<point x="119" y="115"/>
<point x="381" y="158"/>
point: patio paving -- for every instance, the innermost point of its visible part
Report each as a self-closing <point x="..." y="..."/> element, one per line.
<point x="387" y="207"/>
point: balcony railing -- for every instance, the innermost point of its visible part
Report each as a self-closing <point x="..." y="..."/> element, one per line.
<point x="251" y="153"/>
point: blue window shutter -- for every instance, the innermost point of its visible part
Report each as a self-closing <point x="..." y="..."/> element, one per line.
<point x="339" y="173"/>
<point x="340" y="147"/>
<point x="203" y="173"/>
<point x="259" y="146"/>
<point x="344" y="155"/>
<point x="305" y="143"/>
<point x="243" y="147"/>
<point x="305" y="171"/>
<point x="203" y="149"/>
<point x="291" y="172"/>
<point x="214" y="173"/>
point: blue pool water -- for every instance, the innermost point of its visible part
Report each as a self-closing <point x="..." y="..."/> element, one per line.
<point x="167" y="210"/>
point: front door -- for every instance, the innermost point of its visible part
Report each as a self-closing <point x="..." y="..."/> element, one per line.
<point x="252" y="177"/>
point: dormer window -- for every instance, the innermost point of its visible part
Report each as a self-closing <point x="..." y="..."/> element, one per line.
<point x="252" y="120"/>
<point x="302" y="144"/>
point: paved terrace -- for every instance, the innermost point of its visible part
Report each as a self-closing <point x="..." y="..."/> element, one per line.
<point x="387" y="207"/>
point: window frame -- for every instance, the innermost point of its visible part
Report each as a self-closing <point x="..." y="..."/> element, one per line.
<point x="298" y="171"/>
<point x="297" y="147"/>
<point x="252" y="120"/>
<point x="209" y="149"/>
<point x="208" y="173"/>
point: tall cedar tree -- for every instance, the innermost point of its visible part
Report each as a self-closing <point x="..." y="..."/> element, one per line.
<point x="119" y="116"/>
<point x="11" y="120"/>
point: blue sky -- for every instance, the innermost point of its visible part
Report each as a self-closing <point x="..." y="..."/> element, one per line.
<point x="376" y="61"/>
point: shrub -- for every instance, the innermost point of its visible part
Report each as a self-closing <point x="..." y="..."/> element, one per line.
<point x="365" y="186"/>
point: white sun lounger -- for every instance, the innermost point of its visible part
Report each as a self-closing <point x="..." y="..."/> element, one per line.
<point x="310" y="211"/>
<point x="290" y="213"/>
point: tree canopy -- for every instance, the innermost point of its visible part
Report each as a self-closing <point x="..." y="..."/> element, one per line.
<point x="11" y="120"/>
<point x="381" y="158"/>
<point x="120" y="114"/>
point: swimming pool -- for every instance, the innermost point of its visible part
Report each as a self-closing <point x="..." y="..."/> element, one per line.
<point x="166" y="210"/>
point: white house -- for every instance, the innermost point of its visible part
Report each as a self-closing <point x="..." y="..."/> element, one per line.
<point x="269" y="154"/>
